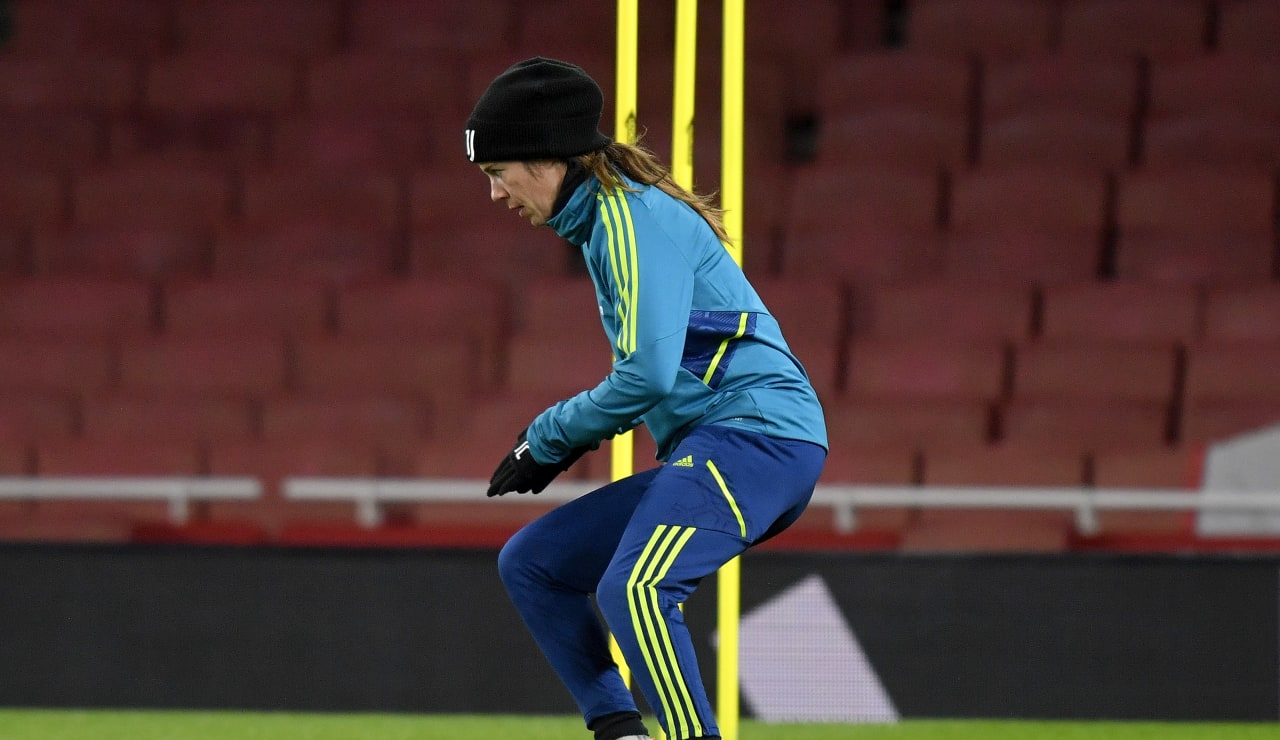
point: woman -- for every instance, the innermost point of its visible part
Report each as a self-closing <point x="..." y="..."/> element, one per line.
<point x="698" y="360"/>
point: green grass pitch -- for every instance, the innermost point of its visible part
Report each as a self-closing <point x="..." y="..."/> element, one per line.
<point x="23" y="724"/>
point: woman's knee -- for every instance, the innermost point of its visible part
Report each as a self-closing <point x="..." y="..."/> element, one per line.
<point x="612" y="593"/>
<point x="513" y="559"/>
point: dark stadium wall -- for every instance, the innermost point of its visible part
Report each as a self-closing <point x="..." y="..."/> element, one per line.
<point x="431" y="631"/>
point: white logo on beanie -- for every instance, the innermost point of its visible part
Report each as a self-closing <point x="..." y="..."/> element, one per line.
<point x="471" y="144"/>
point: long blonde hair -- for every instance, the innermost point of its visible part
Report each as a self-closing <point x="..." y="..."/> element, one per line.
<point x="644" y="167"/>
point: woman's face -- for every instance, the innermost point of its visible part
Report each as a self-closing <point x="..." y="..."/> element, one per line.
<point x="531" y="187"/>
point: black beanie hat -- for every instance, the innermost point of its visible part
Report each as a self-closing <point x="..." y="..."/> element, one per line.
<point x="538" y="109"/>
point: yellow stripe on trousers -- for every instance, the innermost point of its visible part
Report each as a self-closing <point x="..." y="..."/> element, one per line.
<point x="733" y="503"/>
<point x="654" y="639"/>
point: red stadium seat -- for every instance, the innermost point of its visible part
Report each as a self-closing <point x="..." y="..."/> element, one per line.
<point x="1099" y="92"/>
<point x="881" y="137"/>
<point x="1068" y="139"/>
<point x="355" y="141"/>
<point x="307" y="247"/>
<point x="968" y="530"/>
<point x="41" y="365"/>
<point x="273" y="463"/>
<point x="291" y="27"/>
<point x="860" y="253"/>
<point x="117" y="456"/>
<point x="52" y="83"/>
<point x="557" y="367"/>
<point x="356" y="197"/>
<point x="426" y="309"/>
<point x="81" y="307"/>
<point x="421" y="308"/>
<point x="1018" y="198"/>
<point x="1212" y="420"/>
<point x="876" y="463"/>
<point x="894" y="108"/>
<point x="445" y="372"/>
<point x="152" y="193"/>
<point x="1157" y="29"/>
<point x="989" y="28"/>
<point x="364" y="82"/>
<point x="51" y="141"/>
<point x="1235" y="371"/>
<point x="834" y="198"/>
<point x="906" y="422"/>
<point x="339" y="416"/>
<point x="1244" y="83"/>
<point x="860" y="224"/>
<point x="201" y="138"/>
<point x="1214" y="138"/>
<point x="123" y="29"/>
<point x="172" y="417"/>
<point x="1128" y="311"/>
<point x="441" y="26"/>
<point x="925" y="368"/>
<point x="1244" y="312"/>
<point x="491" y="248"/>
<point x="221" y="81"/>
<point x="1147" y="467"/>
<point x="551" y="308"/>
<point x="1248" y="26"/>
<point x="813" y="317"/>
<point x="806" y="308"/>
<point x="1215" y="111"/>
<point x="1021" y="256"/>
<point x="1092" y="424"/>
<point x="246" y="306"/>
<point x="1004" y="465"/>
<point x="1199" y="259"/>
<point x="1091" y="369"/>
<point x="1026" y="224"/>
<point x="153" y="247"/>
<point x="29" y="416"/>
<point x="935" y="85"/>
<point x="206" y="365"/>
<point x="1198" y="201"/>
<point x="944" y="308"/>
<point x="13" y="461"/>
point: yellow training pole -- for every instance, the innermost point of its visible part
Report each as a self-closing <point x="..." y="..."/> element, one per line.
<point x="683" y="92"/>
<point x="729" y="579"/>
<point x="622" y="448"/>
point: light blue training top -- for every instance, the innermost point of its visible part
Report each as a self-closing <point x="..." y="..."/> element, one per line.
<point x="692" y="342"/>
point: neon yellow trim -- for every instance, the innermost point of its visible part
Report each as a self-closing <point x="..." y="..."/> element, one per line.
<point x="664" y="639"/>
<point x="655" y="561"/>
<point x="715" y="361"/>
<point x="733" y="504"/>
<point x="640" y="623"/>
<point x="633" y="293"/>
<point x="610" y="216"/>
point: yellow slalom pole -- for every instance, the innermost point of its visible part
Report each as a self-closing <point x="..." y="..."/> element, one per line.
<point x="732" y="114"/>
<point x="622" y="448"/>
<point x="683" y="92"/>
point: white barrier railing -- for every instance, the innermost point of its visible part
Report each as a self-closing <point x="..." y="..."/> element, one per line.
<point x="178" y="491"/>
<point x="369" y="494"/>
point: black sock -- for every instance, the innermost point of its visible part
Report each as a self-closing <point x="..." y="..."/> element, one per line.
<point x="616" y="725"/>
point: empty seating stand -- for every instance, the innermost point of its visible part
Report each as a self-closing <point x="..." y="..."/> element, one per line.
<point x="1027" y="242"/>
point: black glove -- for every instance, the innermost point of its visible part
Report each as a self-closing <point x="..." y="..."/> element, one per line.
<point x="519" y="472"/>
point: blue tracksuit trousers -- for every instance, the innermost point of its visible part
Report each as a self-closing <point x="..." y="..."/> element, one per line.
<point x="641" y="545"/>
